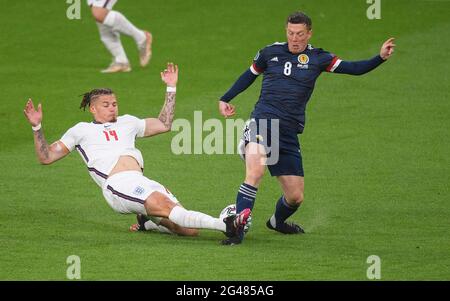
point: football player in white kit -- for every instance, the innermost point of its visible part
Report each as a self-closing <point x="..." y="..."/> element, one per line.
<point x="110" y="25"/>
<point x="107" y="146"/>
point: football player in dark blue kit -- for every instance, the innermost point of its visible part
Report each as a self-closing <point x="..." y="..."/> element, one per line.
<point x="290" y="71"/>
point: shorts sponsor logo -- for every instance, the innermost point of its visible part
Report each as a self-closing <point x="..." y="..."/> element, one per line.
<point x="138" y="190"/>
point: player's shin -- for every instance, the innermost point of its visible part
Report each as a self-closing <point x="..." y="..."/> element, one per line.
<point x="245" y="197"/>
<point x="111" y="40"/>
<point x="283" y="210"/>
<point x="195" y="219"/>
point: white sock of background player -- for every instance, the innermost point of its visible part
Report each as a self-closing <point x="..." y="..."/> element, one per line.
<point x="112" y="42"/>
<point x="120" y="23"/>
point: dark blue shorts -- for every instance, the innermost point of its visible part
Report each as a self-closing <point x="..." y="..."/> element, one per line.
<point x="282" y="146"/>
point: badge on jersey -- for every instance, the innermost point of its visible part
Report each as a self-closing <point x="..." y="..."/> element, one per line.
<point x="303" y="59"/>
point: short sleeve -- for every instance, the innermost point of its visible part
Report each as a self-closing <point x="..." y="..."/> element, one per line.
<point x="138" y="124"/>
<point x="327" y="61"/>
<point x="70" y="138"/>
<point x="259" y="63"/>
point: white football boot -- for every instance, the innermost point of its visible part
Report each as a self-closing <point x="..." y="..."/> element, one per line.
<point x="145" y="50"/>
<point x="117" y="67"/>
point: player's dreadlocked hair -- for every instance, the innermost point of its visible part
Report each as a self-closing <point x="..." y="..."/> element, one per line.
<point x="88" y="97"/>
<point x="299" y="18"/>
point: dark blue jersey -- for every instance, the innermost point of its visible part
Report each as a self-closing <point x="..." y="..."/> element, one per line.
<point x="289" y="81"/>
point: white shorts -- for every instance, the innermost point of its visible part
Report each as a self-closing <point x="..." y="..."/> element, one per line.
<point x="127" y="191"/>
<point x="108" y="4"/>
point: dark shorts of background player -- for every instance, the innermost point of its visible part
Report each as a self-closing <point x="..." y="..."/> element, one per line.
<point x="290" y="157"/>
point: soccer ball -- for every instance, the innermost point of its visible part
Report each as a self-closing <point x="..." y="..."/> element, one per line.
<point x="231" y="210"/>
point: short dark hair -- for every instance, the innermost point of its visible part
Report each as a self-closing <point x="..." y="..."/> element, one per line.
<point x="88" y="97"/>
<point x="299" y="18"/>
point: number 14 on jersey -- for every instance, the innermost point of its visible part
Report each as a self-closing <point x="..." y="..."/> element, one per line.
<point x="110" y="134"/>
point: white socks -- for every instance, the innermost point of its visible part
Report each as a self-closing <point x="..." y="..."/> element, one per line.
<point x="120" y="23"/>
<point x="194" y="219"/>
<point x="112" y="42"/>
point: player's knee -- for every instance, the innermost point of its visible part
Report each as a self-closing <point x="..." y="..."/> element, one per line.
<point x="99" y="13"/>
<point x="295" y="199"/>
<point x="158" y="204"/>
<point x="99" y="18"/>
<point x="299" y="199"/>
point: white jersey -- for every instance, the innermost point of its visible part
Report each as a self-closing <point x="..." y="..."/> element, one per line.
<point x="101" y="144"/>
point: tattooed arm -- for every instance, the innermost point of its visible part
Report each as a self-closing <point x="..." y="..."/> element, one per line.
<point x="163" y="123"/>
<point x="46" y="154"/>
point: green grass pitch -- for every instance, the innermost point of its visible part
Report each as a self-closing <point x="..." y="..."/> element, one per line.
<point x="375" y="149"/>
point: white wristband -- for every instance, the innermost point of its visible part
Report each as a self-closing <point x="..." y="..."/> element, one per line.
<point x="171" y="89"/>
<point x="37" y="128"/>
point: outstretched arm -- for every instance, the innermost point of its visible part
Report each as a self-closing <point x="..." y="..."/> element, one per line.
<point x="244" y="81"/>
<point x="46" y="154"/>
<point x="163" y="123"/>
<point x="362" y="67"/>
